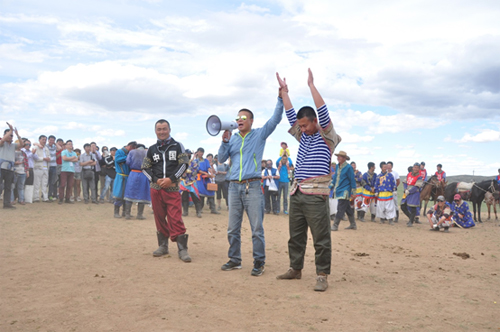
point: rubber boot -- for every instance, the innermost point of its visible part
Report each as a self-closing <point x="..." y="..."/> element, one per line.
<point x="352" y="222"/>
<point x="140" y="211"/>
<point x="117" y="212"/>
<point x="335" y="226"/>
<point x="417" y="221"/>
<point x="211" y="203"/>
<point x="127" y="208"/>
<point x="182" y="241"/>
<point x="123" y="209"/>
<point x="373" y="218"/>
<point x="162" y="245"/>
<point x="397" y="216"/>
<point x="391" y="222"/>
<point x="362" y="216"/>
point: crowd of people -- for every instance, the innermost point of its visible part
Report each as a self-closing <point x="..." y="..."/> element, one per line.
<point x="170" y="178"/>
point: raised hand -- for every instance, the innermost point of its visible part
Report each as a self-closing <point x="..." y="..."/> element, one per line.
<point x="310" y="78"/>
<point x="282" y="82"/>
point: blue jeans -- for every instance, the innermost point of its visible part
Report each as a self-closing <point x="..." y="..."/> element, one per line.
<point x="107" y="184"/>
<point x="20" y="180"/>
<point x="283" y="190"/>
<point x="253" y="203"/>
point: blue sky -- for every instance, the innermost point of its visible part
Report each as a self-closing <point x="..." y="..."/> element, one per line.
<point x="409" y="81"/>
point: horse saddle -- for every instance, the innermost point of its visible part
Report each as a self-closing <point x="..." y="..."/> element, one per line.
<point x="464" y="186"/>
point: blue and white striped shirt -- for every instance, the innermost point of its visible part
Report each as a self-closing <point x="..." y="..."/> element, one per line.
<point x="314" y="156"/>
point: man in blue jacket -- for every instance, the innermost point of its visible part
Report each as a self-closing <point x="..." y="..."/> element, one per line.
<point x="344" y="188"/>
<point x="245" y="150"/>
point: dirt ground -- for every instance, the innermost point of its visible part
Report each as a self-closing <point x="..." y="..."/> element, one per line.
<point x="76" y="268"/>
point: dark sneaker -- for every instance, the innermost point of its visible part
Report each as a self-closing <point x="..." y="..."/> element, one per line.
<point x="290" y="274"/>
<point x="231" y="266"/>
<point x="321" y="283"/>
<point x="258" y="268"/>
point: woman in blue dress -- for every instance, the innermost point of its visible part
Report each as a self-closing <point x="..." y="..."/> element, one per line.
<point x="461" y="212"/>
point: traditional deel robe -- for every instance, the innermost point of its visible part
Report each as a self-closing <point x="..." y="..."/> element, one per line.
<point x="203" y="181"/>
<point x="122" y="172"/>
<point x="189" y="178"/>
<point x="413" y="183"/>
<point x="137" y="189"/>
<point x="369" y="201"/>
<point x="467" y="221"/>
<point x="343" y="183"/>
<point x="358" y="177"/>
<point x="384" y="186"/>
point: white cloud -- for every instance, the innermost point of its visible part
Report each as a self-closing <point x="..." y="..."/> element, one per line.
<point x="15" y="52"/>
<point x="486" y="135"/>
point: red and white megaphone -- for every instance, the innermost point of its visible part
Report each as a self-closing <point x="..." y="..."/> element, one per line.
<point x="215" y="125"/>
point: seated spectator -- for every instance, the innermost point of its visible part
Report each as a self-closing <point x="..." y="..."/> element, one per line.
<point x="461" y="212"/>
<point x="439" y="216"/>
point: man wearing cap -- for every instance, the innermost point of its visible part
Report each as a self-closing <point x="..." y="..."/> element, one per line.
<point x="246" y="149"/>
<point x="344" y="189"/>
<point x="440" y="215"/>
<point x="440" y="174"/>
<point x="461" y="212"/>
<point x="385" y="185"/>
<point x="309" y="192"/>
<point x="164" y="164"/>
<point x="411" y="197"/>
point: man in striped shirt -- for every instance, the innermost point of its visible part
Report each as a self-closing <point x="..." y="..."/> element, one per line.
<point x="309" y="193"/>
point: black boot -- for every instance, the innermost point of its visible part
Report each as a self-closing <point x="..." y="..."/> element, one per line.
<point x="332" y="217"/>
<point x="352" y="222"/>
<point x="162" y="245"/>
<point x="140" y="211"/>
<point x="117" y="211"/>
<point x="397" y="216"/>
<point x="182" y="241"/>
<point x="211" y="203"/>
<point x="357" y="214"/>
<point x="123" y="209"/>
<point x="373" y="218"/>
<point x="362" y="216"/>
<point x="335" y="226"/>
<point x="127" y="208"/>
<point x="185" y="205"/>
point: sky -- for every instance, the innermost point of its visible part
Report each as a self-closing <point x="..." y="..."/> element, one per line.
<point x="405" y="81"/>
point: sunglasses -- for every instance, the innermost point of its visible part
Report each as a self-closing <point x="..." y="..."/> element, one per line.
<point x="457" y="200"/>
<point x="241" y="117"/>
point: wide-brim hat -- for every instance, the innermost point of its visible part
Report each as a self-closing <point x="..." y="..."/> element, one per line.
<point x="343" y="154"/>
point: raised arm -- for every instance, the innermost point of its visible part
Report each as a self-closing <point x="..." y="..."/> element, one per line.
<point x="283" y="92"/>
<point x="318" y="100"/>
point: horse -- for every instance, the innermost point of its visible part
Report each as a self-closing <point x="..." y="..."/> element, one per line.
<point x="491" y="200"/>
<point x="477" y="193"/>
<point x="431" y="190"/>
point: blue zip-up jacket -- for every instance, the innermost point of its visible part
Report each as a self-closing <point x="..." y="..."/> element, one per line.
<point x="246" y="152"/>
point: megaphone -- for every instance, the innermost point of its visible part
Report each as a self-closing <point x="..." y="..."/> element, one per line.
<point x="215" y="125"/>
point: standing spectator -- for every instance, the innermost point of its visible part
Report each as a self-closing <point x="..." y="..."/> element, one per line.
<point x="51" y="145"/>
<point x="385" y="185"/>
<point x="411" y="198"/>
<point x="94" y="149"/>
<point x="221" y="170"/>
<point x="271" y="182"/>
<point x="284" y="166"/>
<point x="108" y="168"/>
<point x="164" y="165"/>
<point x="42" y="160"/>
<point x="102" y="175"/>
<point x="395" y="174"/>
<point x="60" y="148"/>
<point x="205" y="174"/>
<point x="77" y="188"/>
<point x="137" y="189"/>
<point x="189" y="186"/>
<point x="122" y="172"/>
<point x="69" y="159"/>
<point x="344" y="186"/>
<point x="21" y="170"/>
<point x="28" y="185"/>
<point x="7" y="160"/>
<point x="368" y="183"/>
<point x="88" y="162"/>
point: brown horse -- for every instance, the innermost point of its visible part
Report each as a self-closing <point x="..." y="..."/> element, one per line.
<point x="431" y="190"/>
<point x="491" y="200"/>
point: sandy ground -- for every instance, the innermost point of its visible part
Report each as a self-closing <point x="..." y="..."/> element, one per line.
<point x="76" y="268"/>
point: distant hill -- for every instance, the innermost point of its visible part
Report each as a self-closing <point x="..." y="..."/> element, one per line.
<point x="469" y="178"/>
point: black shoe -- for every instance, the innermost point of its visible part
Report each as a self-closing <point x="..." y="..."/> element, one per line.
<point x="231" y="266"/>
<point x="60" y="202"/>
<point x="258" y="268"/>
<point x="215" y="212"/>
<point x="69" y="202"/>
<point x="86" y="201"/>
<point x="10" y="206"/>
<point x="95" y="202"/>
